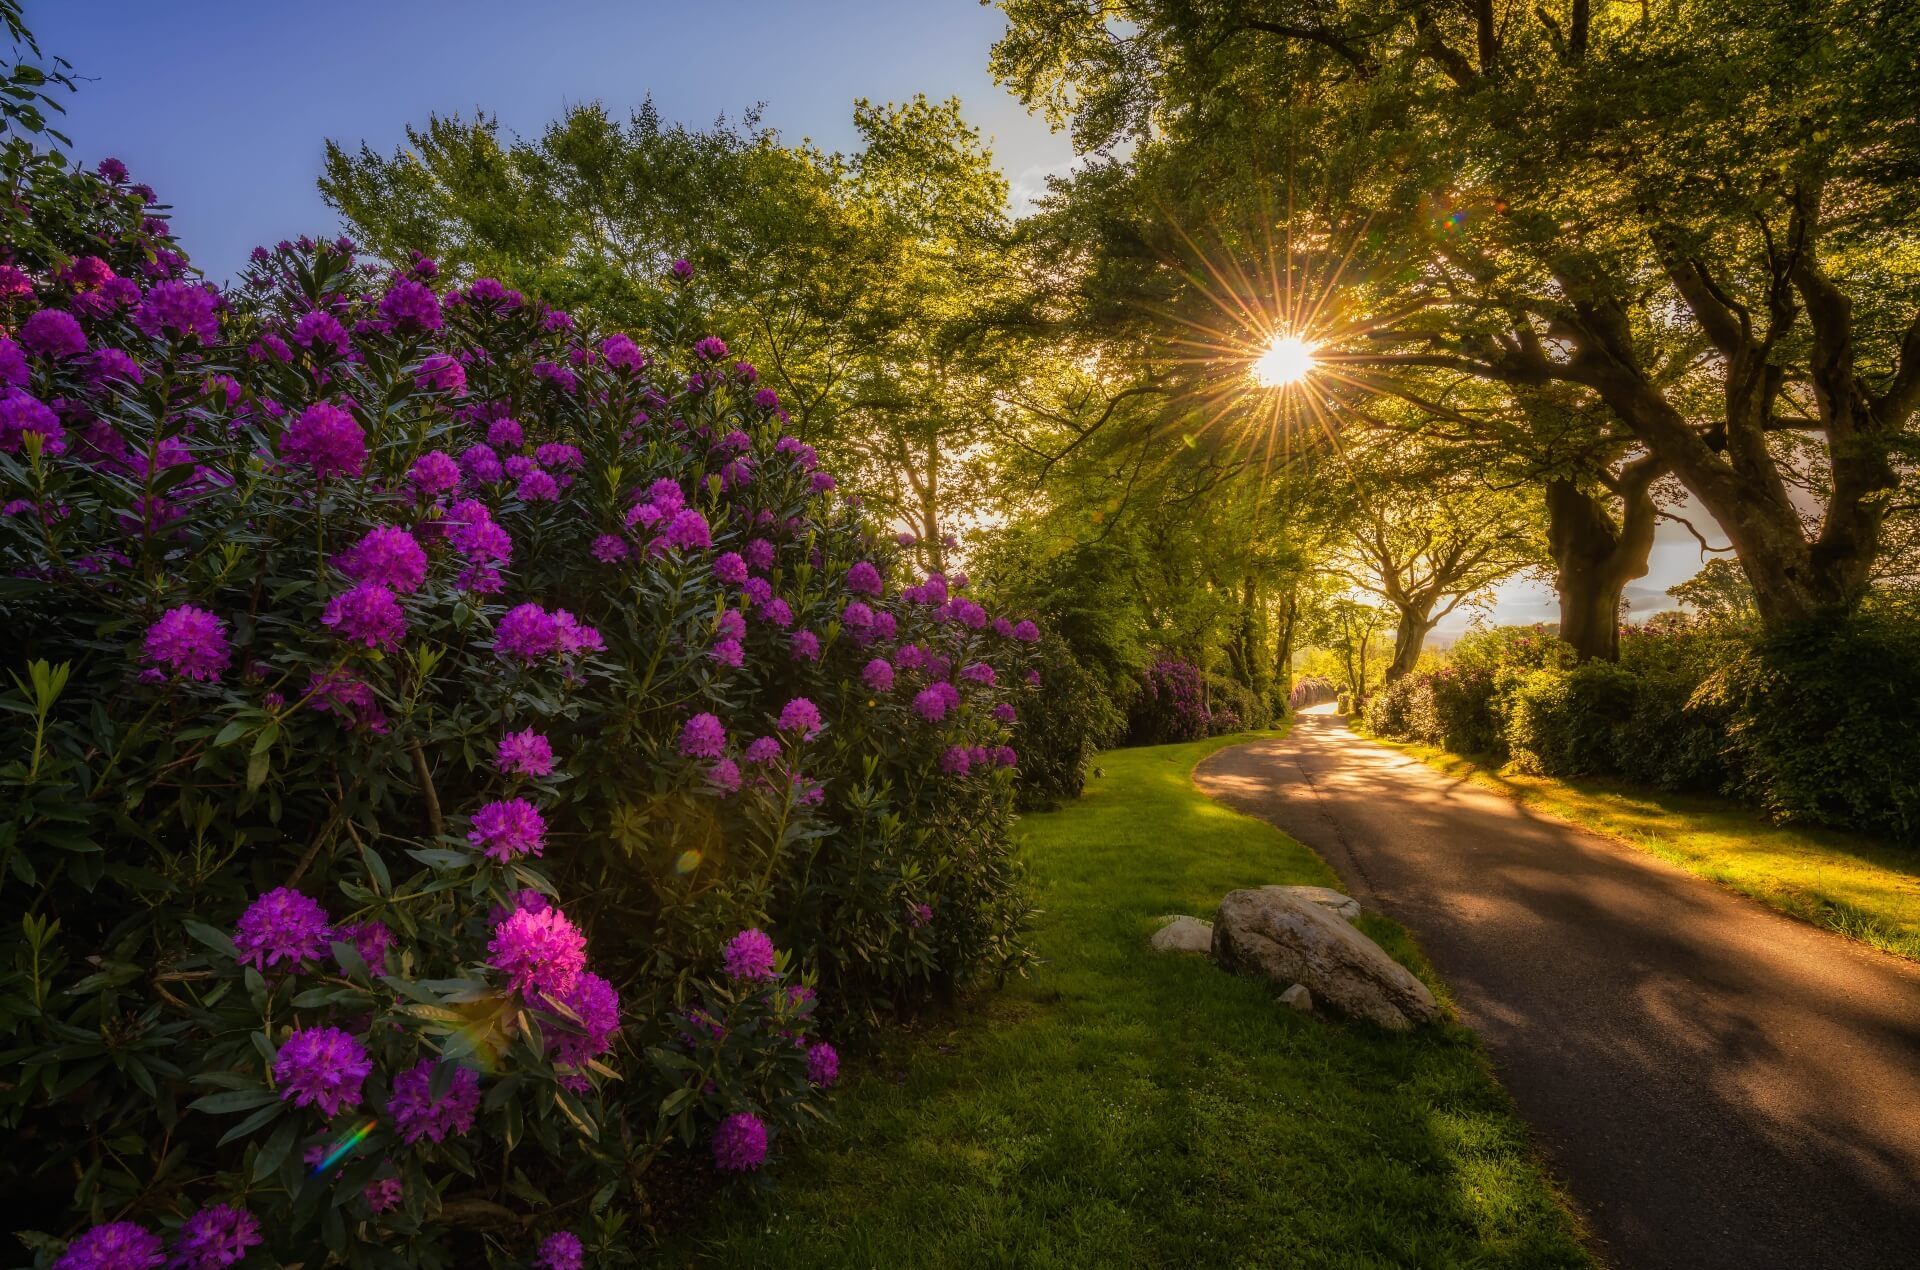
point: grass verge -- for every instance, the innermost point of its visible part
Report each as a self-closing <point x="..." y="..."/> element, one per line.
<point x="1853" y="885"/>
<point x="1122" y="1108"/>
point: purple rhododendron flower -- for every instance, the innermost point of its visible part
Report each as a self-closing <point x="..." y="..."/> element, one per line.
<point x="369" y="615"/>
<point x="750" y="955"/>
<point x="560" y="1251"/>
<point x="527" y="633"/>
<point x="610" y="549"/>
<point x="282" y="925"/>
<point x="864" y="579"/>
<point x="321" y="1067"/>
<point x="541" y="953"/>
<point x="474" y="533"/>
<point x="509" y="828"/>
<point x="190" y="642"/>
<point x="385" y="1194"/>
<point x="596" y="1006"/>
<point x="327" y="440"/>
<point x="575" y="636"/>
<point x="506" y="434"/>
<point x="434" y="472"/>
<point x="710" y="349"/>
<point x="730" y="568"/>
<point x="214" y="1238"/>
<point x="805" y="646"/>
<point x="1027" y="633"/>
<point x="740" y="1143"/>
<point x="319" y="331"/>
<point x="760" y="554"/>
<point x="703" y="737"/>
<point x="979" y="672"/>
<point x="369" y="939"/>
<point x="441" y="373"/>
<point x="920" y="915"/>
<point x="687" y="530"/>
<point x="558" y="454"/>
<point x="180" y="309"/>
<point x="877" y="675"/>
<point x="932" y="702"/>
<point x="537" y="487"/>
<point x="418" y="1114"/>
<point x="526" y="753"/>
<point x="1004" y="712"/>
<point x="389" y="555"/>
<point x="763" y="749"/>
<point x="724" y="776"/>
<point x="730" y="653"/>
<point x="823" y="1064"/>
<point x="480" y="464"/>
<point x="802" y="716"/>
<point x="13" y="363"/>
<point x="22" y="413"/>
<point x="956" y="760"/>
<point x="53" y="333"/>
<point x="118" y="1245"/>
<point x="411" y="307"/>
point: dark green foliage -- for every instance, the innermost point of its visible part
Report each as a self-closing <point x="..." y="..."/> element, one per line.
<point x="1057" y="735"/>
<point x="1821" y="721"/>
<point x="1570" y="722"/>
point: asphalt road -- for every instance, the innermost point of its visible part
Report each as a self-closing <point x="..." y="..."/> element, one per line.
<point x="1716" y="1085"/>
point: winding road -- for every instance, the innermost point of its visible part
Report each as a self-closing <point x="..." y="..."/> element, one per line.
<point x="1717" y="1086"/>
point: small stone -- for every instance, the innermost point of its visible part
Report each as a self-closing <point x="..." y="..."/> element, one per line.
<point x="1299" y="998"/>
<point x="1183" y="934"/>
<point x="1273" y="934"/>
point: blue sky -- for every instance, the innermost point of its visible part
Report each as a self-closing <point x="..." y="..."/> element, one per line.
<point x="224" y="106"/>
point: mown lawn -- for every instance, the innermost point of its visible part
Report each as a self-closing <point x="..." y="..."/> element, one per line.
<point x="1854" y="885"/>
<point x="1121" y="1108"/>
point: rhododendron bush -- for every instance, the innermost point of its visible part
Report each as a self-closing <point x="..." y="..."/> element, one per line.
<point x="463" y="768"/>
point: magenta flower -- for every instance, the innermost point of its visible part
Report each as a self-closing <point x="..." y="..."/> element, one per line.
<point x="687" y="530"/>
<point x="979" y="673"/>
<point x="389" y="555"/>
<point x="368" y="615"/>
<point x="596" y="1007"/>
<point x="740" y="1143"/>
<point x="750" y="955"/>
<point x="321" y="1067"/>
<point x="541" y="953"/>
<point x="506" y="434"/>
<point x="1005" y="756"/>
<point x="369" y="939"/>
<point x="703" y="737"/>
<point x="119" y="1245"/>
<point x="956" y="760"/>
<point x="864" y="579"/>
<point x="526" y="633"/>
<point x="560" y="1251"/>
<point x="610" y="549"/>
<point x="760" y="554"/>
<point x="53" y="333"/>
<point x="877" y="675"/>
<point x="1004" y="712"/>
<point x="475" y="534"/>
<point x="932" y="702"/>
<point x="573" y="636"/>
<point x="282" y="925"/>
<point x="710" y="349"/>
<point x="823" y="1064"/>
<point x="729" y="653"/>
<point x="730" y="568"/>
<point x="22" y="413"/>
<point x="488" y="293"/>
<point x="1026" y="633"/>
<point x="418" y="1114"/>
<point x="525" y="753"/>
<point x="724" y="776"/>
<point x="190" y="642"/>
<point x="509" y="828"/>
<point x="921" y="915"/>
<point x="385" y="1194"/>
<point x="763" y="750"/>
<point x="621" y="353"/>
<point x="214" y="1238"/>
<point x="411" y="307"/>
<point x="318" y="331"/>
<point x="441" y="373"/>
<point x="481" y="464"/>
<point x="805" y="646"/>
<point x="327" y="440"/>
<point x="537" y="487"/>
<point x="802" y="716"/>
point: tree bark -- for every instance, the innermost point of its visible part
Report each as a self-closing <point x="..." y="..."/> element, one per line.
<point x="1408" y="639"/>
<point x="1595" y="557"/>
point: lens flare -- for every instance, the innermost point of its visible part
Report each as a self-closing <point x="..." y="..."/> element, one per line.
<point x="1288" y="359"/>
<point x="344" y="1147"/>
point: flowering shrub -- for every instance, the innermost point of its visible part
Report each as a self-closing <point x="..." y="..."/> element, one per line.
<point x="456" y="763"/>
<point x="1171" y="705"/>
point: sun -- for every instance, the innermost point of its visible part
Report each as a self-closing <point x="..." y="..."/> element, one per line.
<point x="1287" y="360"/>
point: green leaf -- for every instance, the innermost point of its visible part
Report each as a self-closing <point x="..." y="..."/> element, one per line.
<point x="216" y="939"/>
<point x="275" y="1151"/>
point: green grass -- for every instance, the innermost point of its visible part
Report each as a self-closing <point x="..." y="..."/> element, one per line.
<point x="1122" y="1108"/>
<point x="1854" y="885"/>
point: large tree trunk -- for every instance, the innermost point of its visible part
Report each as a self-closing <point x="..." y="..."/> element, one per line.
<point x="1595" y="558"/>
<point x="1283" y="646"/>
<point x="1408" y="639"/>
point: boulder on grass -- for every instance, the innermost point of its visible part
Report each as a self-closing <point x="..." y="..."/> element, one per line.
<point x="1183" y="934"/>
<point x="1277" y="935"/>
<point x="1326" y="897"/>
<point x="1299" y="998"/>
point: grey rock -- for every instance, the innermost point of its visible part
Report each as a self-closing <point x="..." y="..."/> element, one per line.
<point x="1271" y="933"/>
<point x="1299" y="998"/>
<point x="1183" y="934"/>
<point x="1326" y="897"/>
